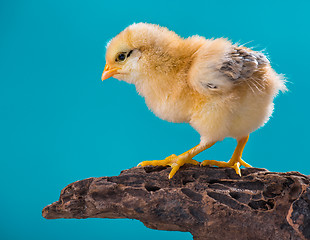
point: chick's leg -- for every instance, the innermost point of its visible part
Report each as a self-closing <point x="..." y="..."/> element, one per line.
<point x="235" y="162"/>
<point x="178" y="161"/>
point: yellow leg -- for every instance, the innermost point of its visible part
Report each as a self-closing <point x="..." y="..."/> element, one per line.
<point x="178" y="161"/>
<point x="235" y="162"/>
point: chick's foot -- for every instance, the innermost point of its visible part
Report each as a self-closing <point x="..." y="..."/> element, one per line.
<point x="234" y="163"/>
<point x="173" y="161"/>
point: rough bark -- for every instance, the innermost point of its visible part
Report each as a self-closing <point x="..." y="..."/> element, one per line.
<point x="210" y="203"/>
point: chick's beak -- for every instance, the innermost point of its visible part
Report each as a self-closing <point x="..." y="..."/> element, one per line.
<point x="108" y="72"/>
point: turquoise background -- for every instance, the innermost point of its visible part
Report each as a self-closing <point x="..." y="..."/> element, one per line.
<point x="59" y="123"/>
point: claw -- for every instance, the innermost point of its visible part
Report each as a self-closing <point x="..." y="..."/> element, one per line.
<point x="174" y="161"/>
<point x="178" y="161"/>
<point x="234" y="164"/>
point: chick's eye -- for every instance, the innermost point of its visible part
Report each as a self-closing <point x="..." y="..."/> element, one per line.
<point x="121" y="57"/>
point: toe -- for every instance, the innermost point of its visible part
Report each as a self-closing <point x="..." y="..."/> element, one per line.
<point x="207" y="162"/>
<point x="194" y="162"/>
<point x="142" y="164"/>
<point x="175" y="168"/>
<point x="236" y="166"/>
<point x="152" y="163"/>
<point x="243" y="163"/>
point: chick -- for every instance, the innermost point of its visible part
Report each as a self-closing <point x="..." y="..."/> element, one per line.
<point x="219" y="88"/>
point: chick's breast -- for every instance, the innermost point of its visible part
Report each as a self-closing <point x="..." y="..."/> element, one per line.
<point x="162" y="82"/>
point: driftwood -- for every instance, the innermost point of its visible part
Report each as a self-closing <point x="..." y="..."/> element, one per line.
<point x="210" y="203"/>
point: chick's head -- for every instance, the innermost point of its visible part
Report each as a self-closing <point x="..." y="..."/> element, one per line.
<point x="121" y="58"/>
<point x="137" y="49"/>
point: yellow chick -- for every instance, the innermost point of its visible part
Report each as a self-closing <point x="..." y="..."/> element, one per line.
<point x="219" y="88"/>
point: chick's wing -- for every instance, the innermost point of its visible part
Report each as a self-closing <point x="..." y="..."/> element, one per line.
<point x="219" y="65"/>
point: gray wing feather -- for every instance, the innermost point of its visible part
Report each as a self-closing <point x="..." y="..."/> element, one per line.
<point x="242" y="63"/>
